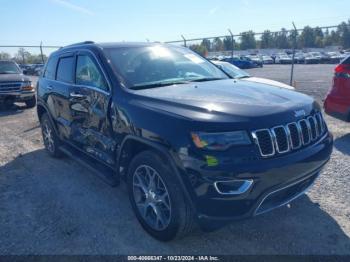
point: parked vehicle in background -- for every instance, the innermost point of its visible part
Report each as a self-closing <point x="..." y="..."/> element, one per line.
<point x="267" y="59"/>
<point x="237" y="73"/>
<point x="337" y="102"/>
<point x="299" y="58"/>
<point x="255" y="59"/>
<point x="38" y="69"/>
<point x="191" y="143"/>
<point x="283" y="59"/>
<point x="14" y="86"/>
<point x="34" y="69"/>
<point x="312" y="58"/>
<point x="24" y="68"/>
<point x="239" y="62"/>
<point x="335" y="57"/>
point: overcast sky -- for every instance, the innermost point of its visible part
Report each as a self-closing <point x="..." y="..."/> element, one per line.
<point x="61" y="22"/>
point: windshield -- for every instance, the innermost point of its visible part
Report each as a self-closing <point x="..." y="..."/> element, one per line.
<point x="159" y="65"/>
<point x="8" y="67"/>
<point x="232" y="70"/>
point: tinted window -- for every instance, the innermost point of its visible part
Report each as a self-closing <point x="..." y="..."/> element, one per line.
<point x="51" y="68"/>
<point x="65" y="69"/>
<point x="88" y="74"/>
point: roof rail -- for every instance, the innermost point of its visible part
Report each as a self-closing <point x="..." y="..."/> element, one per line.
<point x="80" y="43"/>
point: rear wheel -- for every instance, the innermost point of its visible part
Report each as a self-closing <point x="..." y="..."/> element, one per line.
<point x="31" y="102"/>
<point x="157" y="198"/>
<point x="50" y="138"/>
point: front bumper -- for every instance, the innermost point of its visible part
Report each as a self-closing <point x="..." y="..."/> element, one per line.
<point x="18" y="96"/>
<point x="276" y="182"/>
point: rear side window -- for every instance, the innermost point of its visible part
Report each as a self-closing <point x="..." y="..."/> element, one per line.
<point x="51" y="68"/>
<point x="65" y="69"/>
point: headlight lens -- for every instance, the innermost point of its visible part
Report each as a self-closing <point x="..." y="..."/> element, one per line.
<point x="220" y="141"/>
<point x="27" y="86"/>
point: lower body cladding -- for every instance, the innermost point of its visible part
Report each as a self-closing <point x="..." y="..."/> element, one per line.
<point x="257" y="186"/>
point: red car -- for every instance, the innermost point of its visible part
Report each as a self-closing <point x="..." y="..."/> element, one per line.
<point x="337" y="103"/>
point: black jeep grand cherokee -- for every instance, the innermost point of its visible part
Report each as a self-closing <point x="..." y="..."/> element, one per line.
<point x="191" y="143"/>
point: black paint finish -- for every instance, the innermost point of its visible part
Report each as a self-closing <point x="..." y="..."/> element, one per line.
<point x="102" y="123"/>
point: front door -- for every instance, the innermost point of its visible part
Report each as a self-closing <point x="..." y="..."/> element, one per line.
<point x="89" y="104"/>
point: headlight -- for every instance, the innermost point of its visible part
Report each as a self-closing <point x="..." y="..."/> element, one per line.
<point x="220" y="141"/>
<point x="27" y="86"/>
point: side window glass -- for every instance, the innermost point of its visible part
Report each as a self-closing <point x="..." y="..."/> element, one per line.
<point x="88" y="74"/>
<point x="51" y="68"/>
<point x="65" y="69"/>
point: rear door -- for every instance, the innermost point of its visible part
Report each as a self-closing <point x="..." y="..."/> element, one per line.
<point x="60" y="97"/>
<point x="89" y="106"/>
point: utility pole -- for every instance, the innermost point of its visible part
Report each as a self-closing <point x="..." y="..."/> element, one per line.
<point x="232" y="45"/>
<point x="294" y="47"/>
<point x="41" y="52"/>
<point x="185" y="44"/>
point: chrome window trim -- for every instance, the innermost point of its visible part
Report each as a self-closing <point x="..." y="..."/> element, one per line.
<point x="256" y="140"/>
<point x="275" y="139"/>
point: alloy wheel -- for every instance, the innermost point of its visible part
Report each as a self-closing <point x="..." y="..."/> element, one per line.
<point x="48" y="137"/>
<point x="151" y="197"/>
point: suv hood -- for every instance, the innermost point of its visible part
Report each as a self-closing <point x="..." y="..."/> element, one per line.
<point x="223" y="100"/>
<point x="13" y="78"/>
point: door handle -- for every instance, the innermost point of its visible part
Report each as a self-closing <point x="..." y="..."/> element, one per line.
<point x="49" y="87"/>
<point x="77" y="95"/>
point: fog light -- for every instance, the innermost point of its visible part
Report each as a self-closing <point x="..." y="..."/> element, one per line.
<point x="233" y="187"/>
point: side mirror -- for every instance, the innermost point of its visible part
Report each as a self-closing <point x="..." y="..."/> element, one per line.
<point x="24" y="72"/>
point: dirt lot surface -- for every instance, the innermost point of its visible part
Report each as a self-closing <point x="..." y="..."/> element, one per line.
<point x="50" y="206"/>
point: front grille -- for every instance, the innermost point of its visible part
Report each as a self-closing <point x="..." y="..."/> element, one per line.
<point x="266" y="143"/>
<point x="10" y="87"/>
<point x="282" y="139"/>
<point x="295" y="138"/>
<point x="305" y="131"/>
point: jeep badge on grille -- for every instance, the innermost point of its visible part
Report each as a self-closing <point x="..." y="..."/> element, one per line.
<point x="299" y="113"/>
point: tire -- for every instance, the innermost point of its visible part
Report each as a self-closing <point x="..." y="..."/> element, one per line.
<point x="31" y="102"/>
<point x="176" y="213"/>
<point x="50" y="138"/>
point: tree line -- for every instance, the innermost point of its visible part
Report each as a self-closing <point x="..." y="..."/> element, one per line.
<point x="308" y="37"/>
<point x="24" y="57"/>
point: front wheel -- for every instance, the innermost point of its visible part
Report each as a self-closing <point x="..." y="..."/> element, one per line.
<point x="157" y="198"/>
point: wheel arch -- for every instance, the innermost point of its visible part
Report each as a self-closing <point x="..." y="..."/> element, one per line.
<point x="133" y="145"/>
<point x="41" y="110"/>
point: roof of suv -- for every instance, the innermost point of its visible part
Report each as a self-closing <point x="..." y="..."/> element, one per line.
<point x="107" y="45"/>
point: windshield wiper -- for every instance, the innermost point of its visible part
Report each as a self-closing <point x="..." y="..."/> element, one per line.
<point x="205" y="79"/>
<point x="159" y="84"/>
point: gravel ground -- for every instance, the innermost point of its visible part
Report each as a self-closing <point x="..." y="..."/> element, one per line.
<point x="50" y="206"/>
